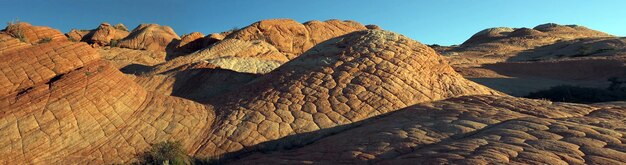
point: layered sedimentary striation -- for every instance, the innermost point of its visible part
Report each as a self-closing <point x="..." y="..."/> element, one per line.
<point x="320" y="92"/>
<point x="340" y="81"/>
<point x="104" y="35"/>
<point x="293" y="38"/>
<point x="149" y="37"/>
<point x="61" y="104"/>
<point x="33" y="34"/>
<point x="475" y="130"/>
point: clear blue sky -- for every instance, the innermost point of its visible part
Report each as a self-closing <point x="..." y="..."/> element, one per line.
<point x="442" y="22"/>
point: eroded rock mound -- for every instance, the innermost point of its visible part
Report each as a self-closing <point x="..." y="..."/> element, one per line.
<point x="149" y="37"/>
<point x="105" y="33"/>
<point x="489" y="35"/>
<point x="26" y="32"/>
<point x="61" y="104"/>
<point x="538" y="36"/>
<point x="498" y="44"/>
<point x="340" y="81"/>
<point x="293" y="38"/>
<point x="474" y="130"/>
<point x="192" y="42"/>
<point x="124" y="58"/>
<point x="262" y="46"/>
<point x="229" y="53"/>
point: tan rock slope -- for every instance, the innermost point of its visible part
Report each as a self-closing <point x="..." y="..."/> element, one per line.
<point x="369" y="96"/>
<point x="521" y="61"/>
<point x="60" y="104"/>
<point x="33" y="34"/>
<point x="472" y="130"/>
<point x="265" y="44"/>
<point x="104" y="35"/>
<point x="340" y="81"/>
<point x="256" y="53"/>
<point x="498" y="44"/>
<point x="293" y="38"/>
<point x="149" y="37"/>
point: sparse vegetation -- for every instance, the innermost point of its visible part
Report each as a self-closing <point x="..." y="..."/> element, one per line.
<point x="16" y="32"/>
<point x="234" y="29"/>
<point x="434" y="45"/>
<point x="113" y="43"/>
<point x="73" y="39"/>
<point x="44" y="40"/>
<point x="576" y="94"/>
<point x="168" y="152"/>
<point x="585" y="50"/>
<point x="120" y="26"/>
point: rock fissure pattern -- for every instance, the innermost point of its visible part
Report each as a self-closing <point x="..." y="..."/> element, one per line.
<point x="365" y="97"/>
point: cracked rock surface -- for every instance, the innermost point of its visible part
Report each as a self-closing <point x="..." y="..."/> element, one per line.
<point x="370" y="96"/>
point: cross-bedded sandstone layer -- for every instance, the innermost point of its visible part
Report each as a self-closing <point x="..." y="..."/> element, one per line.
<point x="340" y="81"/>
<point x="61" y="104"/>
<point x="472" y="130"/>
<point x="370" y="96"/>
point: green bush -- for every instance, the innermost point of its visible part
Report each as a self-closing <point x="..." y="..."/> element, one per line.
<point x="113" y="43"/>
<point x="166" y="153"/>
<point x="44" y="40"/>
<point x="234" y="29"/>
<point x="584" y="50"/>
<point x="574" y="94"/>
<point x="17" y="33"/>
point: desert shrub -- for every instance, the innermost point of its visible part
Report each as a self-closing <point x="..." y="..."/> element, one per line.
<point x="166" y="153"/>
<point x="434" y="45"/>
<point x="575" y="94"/>
<point x="616" y="83"/>
<point x="73" y="39"/>
<point x="44" y="40"/>
<point x="17" y="33"/>
<point x="113" y="43"/>
<point x="234" y="29"/>
<point x="584" y="50"/>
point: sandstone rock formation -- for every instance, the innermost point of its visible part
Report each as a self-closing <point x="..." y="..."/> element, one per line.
<point x="253" y="51"/>
<point x="519" y="61"/>
<point x="192" y="42"/>
<point x="472" y="130"/>
<point x="60" y="104"/>
<point x="79" y="35"/>
<point x="293" y="38"/>
<point x="149" y="37"/>
<point x="369" y="96"/>
<point x="198" y="81"/>
<point x="340" y="81"/>
<point x="123" y="57"/>
<point x="105" y="33"/>
<point x="263" y="46"/>
<point x="498" y="44"/>
<point x="584" y="48"/>
<point x="26" y="32"/>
